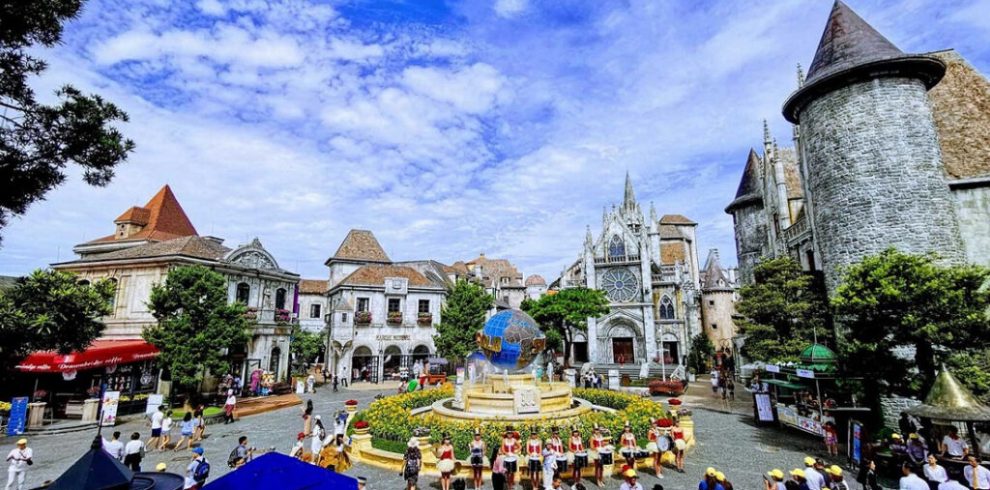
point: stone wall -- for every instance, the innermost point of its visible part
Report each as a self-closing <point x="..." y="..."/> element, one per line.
<point x="875" y="174"/>
<point x="892" y="408"/>
<point x="973" y="210"/>
<point x="751" y="236"/>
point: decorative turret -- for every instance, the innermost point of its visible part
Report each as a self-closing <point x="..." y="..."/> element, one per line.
<point x="747" y="213"/>
<point x="629" y="197"/>
<point x="870" y="149"/>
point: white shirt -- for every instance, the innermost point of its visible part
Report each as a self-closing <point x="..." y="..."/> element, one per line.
<point x="815" y="479"/>
<point x="18" y="458"/>
<point x="231" y="400"/>
<point x="156" y="419"/>
<point x="913" y="482"/>
<point x="936" y="474"/>
<point x="114" y="448"/>
<point x="714" y="378"/>
<point x="980" y="474"/>
<point x="133" y="447"/>
<point x="166" y="424"/>
<point x="951" y="485"/>
<point x="955" y="447"/>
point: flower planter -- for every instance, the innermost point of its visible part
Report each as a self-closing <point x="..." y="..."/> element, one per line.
<point x="362" y="431"/>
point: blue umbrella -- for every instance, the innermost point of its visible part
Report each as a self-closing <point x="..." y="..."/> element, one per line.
<point x="276" y="470"/>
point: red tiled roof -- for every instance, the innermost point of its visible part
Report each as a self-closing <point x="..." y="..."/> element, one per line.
<point x="164" y="216"/>
<point x="374" y="275"/>
<point x="312" y="286"/>
<point x="676" y="219"/>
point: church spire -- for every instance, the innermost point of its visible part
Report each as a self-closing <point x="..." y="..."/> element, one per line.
<point x="629" y="199"/>
<point x="588" y="240"/>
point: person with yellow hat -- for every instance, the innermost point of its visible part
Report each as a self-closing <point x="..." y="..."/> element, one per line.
<point x="632" y="479"/>
<point x="19" y="458"/>
<point x="775" y="480"/>
<point x="797" y="474"/>
<point x="722" y="482"/>
<point x="897" y="446"/>
<point x="708" y="479"/>
<point x="161" y="467"/>
<point x="816" y="480"/>
<point x="836" y="480"/>
<point x="916" y="450"/>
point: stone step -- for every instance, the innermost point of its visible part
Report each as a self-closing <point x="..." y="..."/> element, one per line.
<point x="62" y="427"/>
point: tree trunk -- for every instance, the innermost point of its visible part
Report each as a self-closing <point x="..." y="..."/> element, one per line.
<point x="567" y="345"/>
<point x="925" y="359"/>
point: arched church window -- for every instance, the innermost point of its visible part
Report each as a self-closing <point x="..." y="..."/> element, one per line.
<point x="616" y="247"/>
<point x="666" y="308"/>
<point x="243" y="292"/>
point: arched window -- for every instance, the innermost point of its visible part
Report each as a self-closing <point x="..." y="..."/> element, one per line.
<point x="113" y="297"/>
<point x="666" y="308"/>
<point x="275" y="361"/>
<point x="616" y="247"/>
<point x="243" y="292"/>
<point x="280" y="299"/>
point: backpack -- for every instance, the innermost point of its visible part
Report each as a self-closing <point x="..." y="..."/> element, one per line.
<point x="202" y="471"/>
<point x="233" y="458"/>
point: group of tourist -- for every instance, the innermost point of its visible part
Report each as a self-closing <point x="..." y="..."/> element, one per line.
<point x="919" y="460"/>
<point x="814" y="476"/>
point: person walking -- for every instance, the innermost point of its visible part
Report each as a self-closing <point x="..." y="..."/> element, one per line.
<point x="307" y="417"/>
<point x="186" y="430"/>
<point x="241" y="453"/>
<point x="311" y="383"/>
<point x="344" y="374"/>
<point x="721" y="481"/>
<point x="835" y="478"/>
<point x="167" y="424"/>
<point x="798" y="476"/>
<point x="19" y="459"/>
<point x="200" y="415"/>
<point x="229" y="407"/>
<point x="335" y="380"/>
<point x="816" y="480"/>
<point x="976" y="475"/>
<point x="831" y="439"/>
<point x="714" y="380"/>
<point x="114" y="447"/>
<point x="197" y="471"/>
<point x="411" y="462"/>
<point x="156" y="427"/>
<point x="134" y="452"/>
<point x="317" y="435"/>
<point x="775" y="480"/>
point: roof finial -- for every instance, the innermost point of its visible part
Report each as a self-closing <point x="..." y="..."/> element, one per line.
<point x="629" y="199"/>
<point x="800" y="75"/>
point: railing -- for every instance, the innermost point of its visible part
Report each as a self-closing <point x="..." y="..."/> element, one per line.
<point x="793" y="232"/>
<point x="617" y="259"/>
<point x="668" y="273"/>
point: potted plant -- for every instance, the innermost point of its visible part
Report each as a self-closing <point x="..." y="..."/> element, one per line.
<point x="361" y="427"/>
<point x="362" y="318"/>
<point x="351" y="406"/>
<point x="251" y="313"/>
<point x="674" y="402"/>
<point x="394" y="317"/>
<point x="282" y="315"/>
<point x="424" y="318"/>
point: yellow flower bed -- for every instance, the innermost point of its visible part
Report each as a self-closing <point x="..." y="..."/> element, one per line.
<point x="391" y="418"/>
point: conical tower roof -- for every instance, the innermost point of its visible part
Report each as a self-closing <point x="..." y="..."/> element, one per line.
<point x="851" y="50"/>
<point x="950" y="400"/>
<point x="750" y="187"/>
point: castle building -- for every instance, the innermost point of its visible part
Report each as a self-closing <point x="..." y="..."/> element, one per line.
<point x="648" y="267"/>
<point x="536" y="287"/>
<point x="151" y="240"/>
<point x="719" y="293"/>
<point x="890" y="150"/>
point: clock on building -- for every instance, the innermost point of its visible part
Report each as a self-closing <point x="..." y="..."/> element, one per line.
<point x="620" y="285"/>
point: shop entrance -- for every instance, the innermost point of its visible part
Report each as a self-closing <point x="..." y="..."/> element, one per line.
<point x="364" y="365"/>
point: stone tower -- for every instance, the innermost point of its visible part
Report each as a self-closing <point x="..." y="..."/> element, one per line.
<point x="749" y="218"/>
<point x="718" y="302"/>
<point x="870" y="149"/>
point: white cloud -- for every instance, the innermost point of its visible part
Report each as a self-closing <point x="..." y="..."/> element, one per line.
<point x="510" y="8"/>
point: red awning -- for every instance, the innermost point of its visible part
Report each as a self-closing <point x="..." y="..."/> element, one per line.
<point x="100" y="353"/>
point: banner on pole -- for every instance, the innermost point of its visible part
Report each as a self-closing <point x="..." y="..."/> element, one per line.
<point x="18" y="416"/>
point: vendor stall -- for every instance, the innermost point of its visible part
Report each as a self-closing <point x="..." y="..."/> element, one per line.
<point x="807" y="395"/>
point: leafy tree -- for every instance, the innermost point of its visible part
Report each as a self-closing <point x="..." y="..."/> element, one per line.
<point x="38" y="140"/>
<point x="896" y="299"/>
<point x="305" y="346"/>
<point x="972" y="368"/>
<point x="195" y="324"/>
<point x="781" y="311"/>
<point x="567" y="311"/>
<point x="50" y="310"/>
<point x="461" y="317"/>
<point x="702" y="350"/>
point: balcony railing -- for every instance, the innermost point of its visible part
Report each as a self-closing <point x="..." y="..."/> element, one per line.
<point x="617" y="259"/>
<point x="795" y="231"/>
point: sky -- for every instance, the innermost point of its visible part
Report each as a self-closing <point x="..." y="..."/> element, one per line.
<point x="447" y="128"/>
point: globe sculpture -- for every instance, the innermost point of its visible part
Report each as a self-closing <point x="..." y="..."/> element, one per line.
<point x="511" y="340"/>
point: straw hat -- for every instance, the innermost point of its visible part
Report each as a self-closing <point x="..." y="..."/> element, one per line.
<point x="834" y="470"/>
<point x="775" y="473"/>
<point x="22" y="441"/>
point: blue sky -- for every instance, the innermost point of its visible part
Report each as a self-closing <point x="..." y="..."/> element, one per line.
<point x="447" y="128"/>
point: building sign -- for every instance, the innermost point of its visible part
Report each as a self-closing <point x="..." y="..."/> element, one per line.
<point x="773" y="368"/>
<point x="789" y="416"/>
<point x="392" y="337"/>
<point x="110" y="401"/>
<point x="764" y="408"/>
<point x="805" y="373"/>
<point x="856" y="448"/>
<point x="18" y="416"/>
